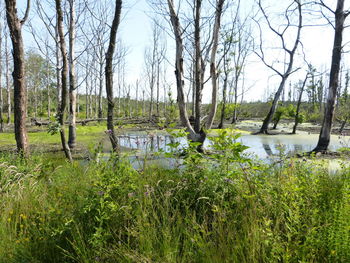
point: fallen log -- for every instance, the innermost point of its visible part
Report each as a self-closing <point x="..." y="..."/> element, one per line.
<point x="121" y="121"/>
<point x="39" y="123"/>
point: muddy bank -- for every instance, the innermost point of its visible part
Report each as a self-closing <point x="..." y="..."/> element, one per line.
<point x="286" y="127"/>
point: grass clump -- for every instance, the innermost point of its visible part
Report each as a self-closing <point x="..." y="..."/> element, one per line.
<point x="222" y="208"/>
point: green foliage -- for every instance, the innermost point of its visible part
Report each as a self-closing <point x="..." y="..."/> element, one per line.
<point x="54" y="127"/>
<point x="171" y="113"/>
<point x="221" y="207"/>
<point x="228" y="151"/>
<point x="301" y="118"/>
<point x="40" y="78"/>
<point x="229" y="109"/>
<point x="314" y="117"/>
<point x="344" y="150"/>
<point x="288" y="111"/>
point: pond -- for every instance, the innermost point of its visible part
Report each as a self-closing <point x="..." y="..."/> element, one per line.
<point x="267" y="148"/>
<point x="262" y="146"/>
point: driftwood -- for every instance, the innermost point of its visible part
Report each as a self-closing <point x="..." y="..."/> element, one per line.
<point x="86" y="121"/>
<point x="39" y="123"/>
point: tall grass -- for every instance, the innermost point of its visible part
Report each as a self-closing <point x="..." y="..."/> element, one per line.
<point x="222" y="208"/>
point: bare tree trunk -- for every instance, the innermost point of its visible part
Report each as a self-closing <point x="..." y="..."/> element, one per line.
<point x="179" y="73"/>
<point x="342" y="127"/>
<point x="129" y="101"/>
<point x="58" y="71"/>
<point x="284" y="76"/>
<point x="35" y="95"/>
<point x="296" y="120"/>
<point x="91" y="85"/>
<point x="193" y="106"/>
<point x="143" y="103"/>
<point x="213" y="71"/>
<point x="48" y="103"/>
<point x="72" y="136"/>
<point x="48" y="86"/>
<point x="41" y="100"/>
<point x="8" y="85"/>
<point x="119" y="98"/>
<point x="165" y="93"/>
<point x="150" y="113"/>
<point x="87" y="93"/>
<point x="196" y="133"/>
<point x="109" y="74"/>
<point x="158" y="86"/>
<point x="192" y="89"/>
<point x="224" y="94"/>
<point x="268" y="118"/>
<point x="198" y="74"/>
<point x="64" y="74"/>
<point x="20" y="90"/>
<point x="137" y="97"/>
<point x="1" y="93"/>
<point x="235" y="98"/>
<point x="325" y="133"/>
<point x="119" y="88"/>
<point x="78" y="102"/>
<point x="95" y="97"/>
<point x="100" y="109"/>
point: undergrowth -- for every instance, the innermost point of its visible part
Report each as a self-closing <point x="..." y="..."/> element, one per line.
<point x="222" y="207"/>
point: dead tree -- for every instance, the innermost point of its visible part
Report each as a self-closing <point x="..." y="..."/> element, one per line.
<point x="235" y="47"/>
<point x="20" y="92"/>
<point x="64" y="79"/>
<point x="98" y="25"/>
<point x="242" y="49"/>
<point x="325" y="133"/>
<point x="47" y="73"/>
<point x="72" y="136"/>
<point x="154" y="56"/>
<point x="109" y="74"/>
<point x="8" y="85"/>
<point x="196" y="133"/>
<point x="213" y="70"/>
<point x="1" y="93"/>
<point x="47" y="18"/>
<point x="290" y="52"/>
<point x="296" y="119"/>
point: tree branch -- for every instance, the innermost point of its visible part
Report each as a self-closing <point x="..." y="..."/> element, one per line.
<point x="26" y="13"/>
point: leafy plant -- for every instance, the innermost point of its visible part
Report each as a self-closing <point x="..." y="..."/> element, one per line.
<point x="54" y="127"/>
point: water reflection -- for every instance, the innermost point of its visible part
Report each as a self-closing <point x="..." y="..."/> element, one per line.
<point x="267" y="149"/>
<point x="260" y="145"/>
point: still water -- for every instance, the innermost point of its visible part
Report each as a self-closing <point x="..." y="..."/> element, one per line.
<point x="262" y="146"/>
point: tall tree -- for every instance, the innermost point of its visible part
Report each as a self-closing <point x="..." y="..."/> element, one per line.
<point x="196" y="132"/>
<point x="48" y="81"/>
<point x="297" y="112"/>
<point x="100" y="14"/>
<point x="72" y="78"/>
<point x="47" y="43"/>
<point x="109" y="74"/>
<point x="64" y="79"/>
<point x="236" y="46"/>
<point x="280" y="32"/>
<point x="213" y="70"/>
<point x="8" y="85"/>
<point x="340" y="15"/>
<point x="1" y="91"/>
<point x="344" y="109"/>
<point x="154" y="56"/>
<point x="20" y="92"/>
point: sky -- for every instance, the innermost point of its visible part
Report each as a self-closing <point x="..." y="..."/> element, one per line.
<point x="135" y="33"/>
<point x="317" y="44"/>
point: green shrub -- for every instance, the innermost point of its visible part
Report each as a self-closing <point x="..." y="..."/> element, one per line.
<point x="220" y="207"/>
